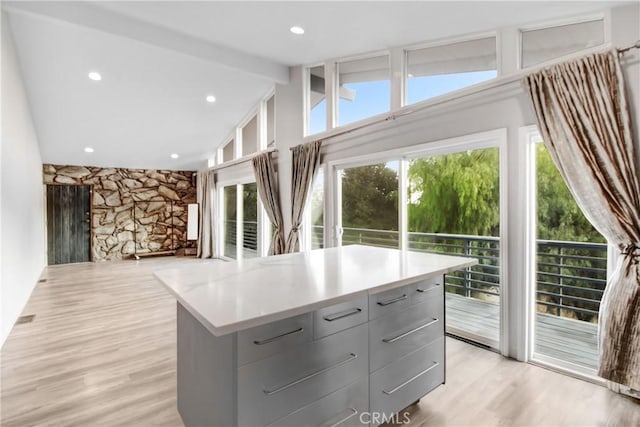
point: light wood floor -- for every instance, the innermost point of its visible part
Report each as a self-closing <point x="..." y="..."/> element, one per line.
<point x="101" y="352"/>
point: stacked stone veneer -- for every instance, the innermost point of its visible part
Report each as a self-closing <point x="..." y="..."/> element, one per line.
<point x="119" y="230"/>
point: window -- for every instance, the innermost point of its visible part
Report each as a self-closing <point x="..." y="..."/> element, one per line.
<point x="438" y="70"/>
<point x="250" y="137"/>
<point x="553" y="42"/>
<point x="316" y="100"/>
<point x="271" y="121"/>
<point x="370" y="205"/>
<point x="570" y="272"/>
<point x="228" y="151"/>
<point x="364" y="88"/>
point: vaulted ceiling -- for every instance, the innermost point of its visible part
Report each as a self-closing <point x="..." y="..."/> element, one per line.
<point x="159" y="61"/>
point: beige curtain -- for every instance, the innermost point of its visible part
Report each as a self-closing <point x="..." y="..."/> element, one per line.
<point x="583" y="116"/>
<point x="206" y="196"/>
<point x="267" y="183"/>
<point x="306" y="160"/>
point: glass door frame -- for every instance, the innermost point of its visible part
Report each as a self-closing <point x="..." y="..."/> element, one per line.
<point x="490" y="139"/>
<point x="263" y="230"/>
<point x="530" y="136"/>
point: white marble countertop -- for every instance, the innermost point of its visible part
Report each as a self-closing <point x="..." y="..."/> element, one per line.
<point x="227" y="297"/>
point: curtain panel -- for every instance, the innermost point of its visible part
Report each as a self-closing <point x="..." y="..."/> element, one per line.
<point x="267" y="183"/>
<point x="305" y="164"/>
<point x="206" y="196"/>
<point x="582" y="114"/>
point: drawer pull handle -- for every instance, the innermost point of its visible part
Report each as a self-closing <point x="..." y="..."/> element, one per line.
<point x="391" y="301"/>
<point x="396" y="338"/>
<point x="425" y="290"/>
<point x="342" y="315"/>
<point x="410" y="380"/>
<point x="278" y="337"/>
<point x="347" y="359"/>
<point x="352" y="413"/>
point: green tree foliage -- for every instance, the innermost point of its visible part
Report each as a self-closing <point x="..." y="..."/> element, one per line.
<point x="459" y="194"/>
<point x="370" y="197"/>
<point x="455" y="193"/>
<point x="250" y="202"/>
<point x="559" y="217"/>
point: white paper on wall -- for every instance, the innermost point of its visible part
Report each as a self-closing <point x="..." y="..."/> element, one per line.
<point x="192" y="221"/>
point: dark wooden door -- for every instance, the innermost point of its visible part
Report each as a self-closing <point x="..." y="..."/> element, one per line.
<point x="68" y="223"/>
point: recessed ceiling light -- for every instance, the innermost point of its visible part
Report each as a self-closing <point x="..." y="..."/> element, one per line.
<point x="95" y="76"/>
<point x="211" y="98"/>
<point x="88" y="150"/>
<point x="174" y="156"/>
<point x="297" y="30"/>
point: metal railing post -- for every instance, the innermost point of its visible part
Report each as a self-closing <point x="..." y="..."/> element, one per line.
<point x="561" y="281"/>
<point x="467" y="271"/>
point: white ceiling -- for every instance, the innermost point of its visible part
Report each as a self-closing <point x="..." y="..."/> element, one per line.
<point x="160" y="59"/>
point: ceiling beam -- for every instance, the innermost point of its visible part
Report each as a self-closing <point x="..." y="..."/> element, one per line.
<point x="96" y="17"/>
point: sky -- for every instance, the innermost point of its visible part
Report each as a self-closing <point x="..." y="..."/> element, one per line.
<point x="374" y="97"/>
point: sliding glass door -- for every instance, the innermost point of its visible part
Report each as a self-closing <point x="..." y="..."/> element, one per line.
<point x="445" y="200"/>
<point x="229" y="221"/>
<point x="369" y="205"/>
<point x="570" y="273"/>
<point x="240" y="227"/>
<point x="454" y="208"/>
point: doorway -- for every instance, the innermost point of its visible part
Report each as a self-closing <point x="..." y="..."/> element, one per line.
<point x="68" y="224"/>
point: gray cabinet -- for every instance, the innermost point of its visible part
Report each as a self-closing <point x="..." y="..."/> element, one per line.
<point x="333" y="366"/>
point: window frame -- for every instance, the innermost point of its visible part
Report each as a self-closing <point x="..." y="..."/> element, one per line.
<point x="606" y="39"/>
<point x="530" y="136"/>
<point x="263" y="239"/>
<point x="335" y="89"/>
<point x="441" y="43"/>
<point x="489" y="139"/>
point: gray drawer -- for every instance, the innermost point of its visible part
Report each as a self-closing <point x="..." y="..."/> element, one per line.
<point x="392" y="301"/>
<point x="393" y="336"/>
<point x="408" y="379"/>
<point x="426" y="289"/>
<point x="264" y="341"/>
<point x="341" y="408"/>
<point x="339" y="317"/>
<point x="272" y="388"/>
<point x="395" y="300"/>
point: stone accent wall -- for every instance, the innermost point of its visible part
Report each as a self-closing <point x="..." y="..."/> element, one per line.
<point x="116" y="192"/>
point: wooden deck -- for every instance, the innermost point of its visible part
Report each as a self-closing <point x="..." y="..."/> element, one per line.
<point x="558" y="337"/>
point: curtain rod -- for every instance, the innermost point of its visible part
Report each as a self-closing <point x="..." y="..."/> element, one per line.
<point x="388" y="118"/>
<point x="242" y="159"/>
<point x="636" y="45"/>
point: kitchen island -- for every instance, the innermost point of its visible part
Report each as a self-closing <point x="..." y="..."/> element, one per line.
<point x="340" y="336"/>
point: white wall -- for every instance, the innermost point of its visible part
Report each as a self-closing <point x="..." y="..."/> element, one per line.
<point x="22" y="220"/>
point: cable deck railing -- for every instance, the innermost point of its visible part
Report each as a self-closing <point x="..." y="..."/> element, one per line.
<point x="570" y="279"/>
